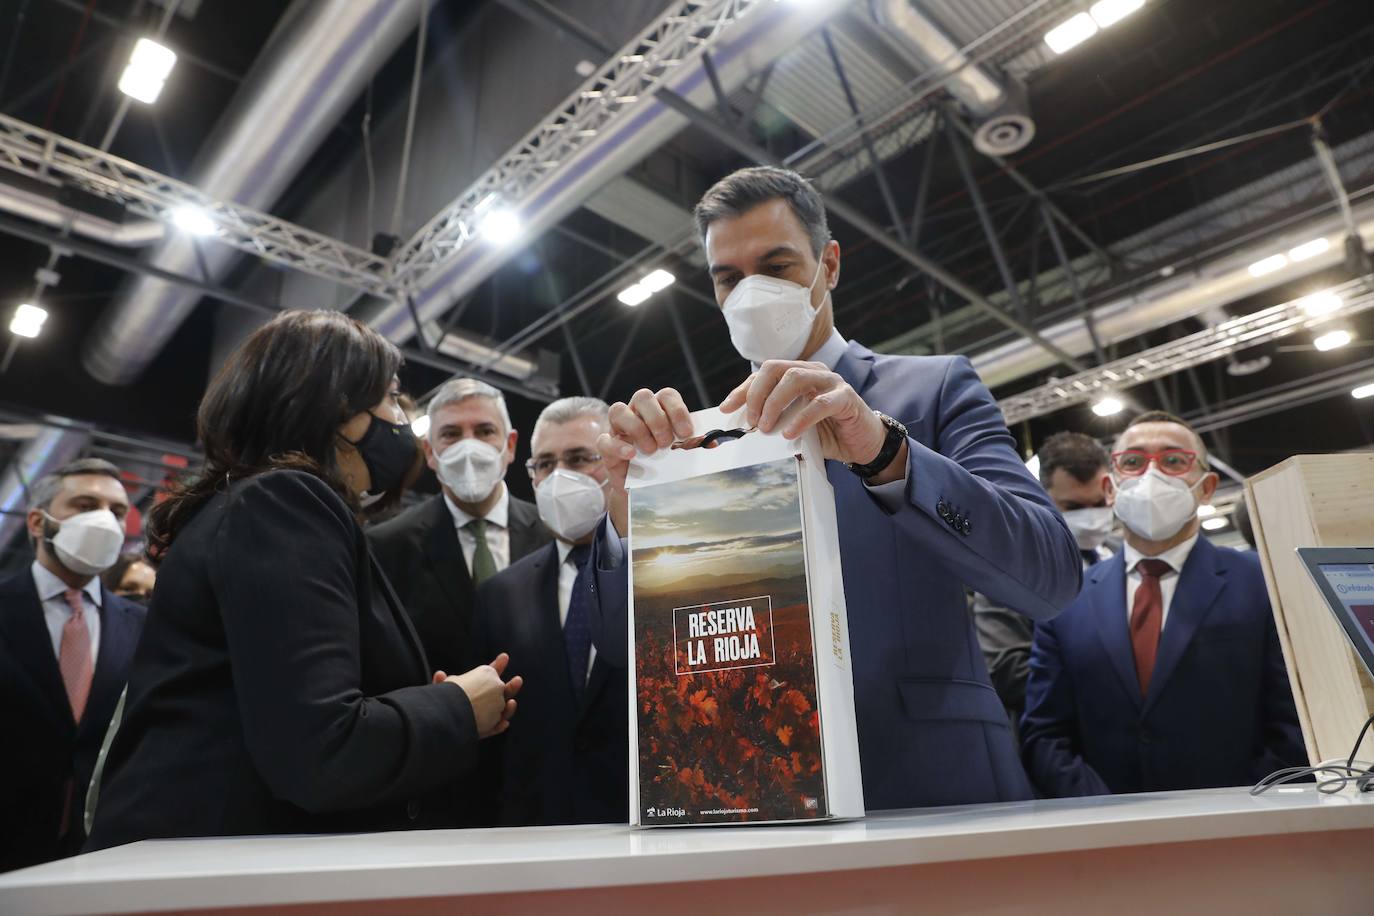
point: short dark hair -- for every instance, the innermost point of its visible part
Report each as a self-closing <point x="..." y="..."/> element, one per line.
<point x="278" y="403"/>
<point x="45" y="489"/>
<point x="1163" y="416"/>
<point x="742" y="191"/>
<point x="1081" y="457"/>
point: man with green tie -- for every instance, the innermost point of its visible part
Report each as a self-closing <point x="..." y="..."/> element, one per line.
<point x="436" y="553"/>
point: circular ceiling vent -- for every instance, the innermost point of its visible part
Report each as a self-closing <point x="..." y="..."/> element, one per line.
<point x="1004" y="134"/>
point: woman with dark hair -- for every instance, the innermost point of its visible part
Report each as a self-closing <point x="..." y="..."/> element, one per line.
<point x="279" y="686"/>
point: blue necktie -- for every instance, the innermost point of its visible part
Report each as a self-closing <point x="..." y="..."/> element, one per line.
<point x="577" y="629"/>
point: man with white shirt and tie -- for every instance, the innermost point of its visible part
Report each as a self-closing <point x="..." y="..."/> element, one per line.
<point x="436" y="553"/>
<point x="65" y="647"/>
<point x="1166" y="672"/>
<point x="565" y="760"/>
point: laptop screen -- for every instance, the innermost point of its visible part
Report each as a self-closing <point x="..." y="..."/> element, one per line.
<point x="1353" y="584"/>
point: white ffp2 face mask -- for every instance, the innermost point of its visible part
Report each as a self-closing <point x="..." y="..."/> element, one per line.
<point x="570" y="503"/>
<point x="88" y="543"/>
<point x="471" y="469"/>
<point x="1091" y="527"/>
<point x="770" y="318"/>
<point x="1155" y="505"/>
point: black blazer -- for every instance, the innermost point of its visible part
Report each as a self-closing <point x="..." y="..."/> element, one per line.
<point x="420" y="554"/>
<point x="48" y="758"/>
<point x="278" y="687"/>
<point x="559" y="762"/>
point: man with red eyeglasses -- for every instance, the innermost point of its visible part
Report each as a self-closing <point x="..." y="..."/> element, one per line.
<point x="1166" y="671"/>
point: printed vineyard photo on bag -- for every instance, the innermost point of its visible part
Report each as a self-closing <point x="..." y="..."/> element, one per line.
<point x="725" y="671"/>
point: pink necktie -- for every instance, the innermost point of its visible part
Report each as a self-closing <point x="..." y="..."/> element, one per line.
<point x="74" y="656"/>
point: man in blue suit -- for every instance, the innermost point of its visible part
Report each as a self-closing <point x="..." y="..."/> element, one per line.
<point x="566" y="760"/>
<point x="931" y="497"/>
<point x="1166" y="673"/>
<point x="65" y="646"/>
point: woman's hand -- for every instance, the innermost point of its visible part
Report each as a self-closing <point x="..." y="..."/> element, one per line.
<point x="492" y="698"/>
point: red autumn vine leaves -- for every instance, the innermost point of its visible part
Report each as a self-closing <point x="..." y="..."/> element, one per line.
<point x="741" y="738"/>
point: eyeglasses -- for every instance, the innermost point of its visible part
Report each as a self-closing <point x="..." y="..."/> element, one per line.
<point x="1172" y="461"/>
<point x="579" y="460"/>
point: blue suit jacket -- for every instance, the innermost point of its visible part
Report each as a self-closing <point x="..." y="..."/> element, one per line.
<point x="931" y="728"/>
<point x="49" y="754"/>
<point x="1219" y="711"/>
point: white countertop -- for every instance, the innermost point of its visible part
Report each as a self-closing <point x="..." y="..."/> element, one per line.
<point x="247" y="871"/>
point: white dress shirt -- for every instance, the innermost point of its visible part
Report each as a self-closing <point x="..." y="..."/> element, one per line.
<point x="56" y="610"/>
<point x="498" y="534"/>
<point x="1175" y="556"/>
<point x="567" y="576"/>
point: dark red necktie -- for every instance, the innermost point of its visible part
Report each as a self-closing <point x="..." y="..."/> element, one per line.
<point x="1147" y="615"/>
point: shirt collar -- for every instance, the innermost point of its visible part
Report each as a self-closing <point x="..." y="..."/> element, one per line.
<point x="1175" y="556"/>
<point x="49" y="586"/>
<point x="498" y="516"/>
<point x="829" y="353"/>
<point x="564" y="548"/>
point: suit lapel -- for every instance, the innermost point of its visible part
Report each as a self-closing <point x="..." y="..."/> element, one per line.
<point x="1199" y="584"/>
<point x="398" y="613"/>
<point x="1107" y="592"/>
<point x="22" y="625"/>
<point x="118" y="634"/>
<point x="524" y="529"/>
<point x="855" y="366"/>
<point x="444" y="555"/>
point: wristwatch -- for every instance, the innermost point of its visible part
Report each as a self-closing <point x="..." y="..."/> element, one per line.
<point x="892" y="444"/>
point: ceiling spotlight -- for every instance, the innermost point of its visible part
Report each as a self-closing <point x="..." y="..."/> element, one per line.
<point x="1110" y="12"/>
<point x="1319" y="304"/>
<point x="1309" y="249"/>
<point x="633" y="295"/>
<point x="1071" y="33"/>
<point x="1268" y="265"/>
<point x="1332" y="340"/>
<point x="420" y="425"/>
<point x="193" y="220"/>
<point x="1108" y="407"/>
<point x="659" y="279"/>
<point x="500" y="227"/>
<point x="1206" y="510"/>
<point x="1363" y="392"/>
<point x="1215" y="524"/>
<point x="147" y="71"/>
<point x="28" y="320"/>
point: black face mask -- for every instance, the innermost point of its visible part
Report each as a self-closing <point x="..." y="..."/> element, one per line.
<point x="388" y="450"/>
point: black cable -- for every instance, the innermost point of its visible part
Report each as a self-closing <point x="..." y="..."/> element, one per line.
<point x="1338" y="775"/>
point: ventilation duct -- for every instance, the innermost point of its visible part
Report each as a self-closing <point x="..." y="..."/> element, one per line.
<point x="318" y="60"/>
<point x="1003" y="123"/>
<point x="1183" y="295"/>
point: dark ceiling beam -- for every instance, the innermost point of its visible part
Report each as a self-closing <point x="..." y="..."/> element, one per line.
<point x="133" y="33"/>
<point x="861" y="222"/>
<point x="545" y="14"/>
<point x="97" y="253"/>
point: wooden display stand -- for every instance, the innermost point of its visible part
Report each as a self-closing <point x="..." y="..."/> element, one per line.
<point x="1315" y="501"/>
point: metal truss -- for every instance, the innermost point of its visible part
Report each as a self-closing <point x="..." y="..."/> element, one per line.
<point x="1205" y="346"/>
<point x="47" y="156"/>
<point x="681" y="35"/>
